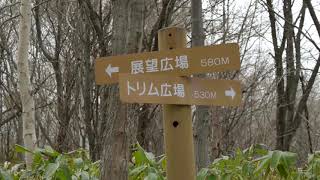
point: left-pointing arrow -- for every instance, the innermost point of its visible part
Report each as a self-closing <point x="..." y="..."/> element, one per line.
<point x="110" y="70"/>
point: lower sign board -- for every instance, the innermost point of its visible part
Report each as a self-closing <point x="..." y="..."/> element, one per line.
<point x="160" y="89"/>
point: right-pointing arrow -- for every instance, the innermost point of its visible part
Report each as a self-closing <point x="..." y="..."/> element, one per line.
<point x="230" y="93"/>
<point x="110" y="70"/>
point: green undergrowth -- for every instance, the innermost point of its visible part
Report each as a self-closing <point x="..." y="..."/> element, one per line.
<point x="254" y="163"/>
<point x="49" y="164"/>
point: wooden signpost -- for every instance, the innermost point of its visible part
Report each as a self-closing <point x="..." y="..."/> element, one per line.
<point x="177" y="120"/>
<point x="175" y="62"/>
<point x="155" y="77"/>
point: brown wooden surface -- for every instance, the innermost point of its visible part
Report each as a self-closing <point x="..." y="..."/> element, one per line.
<point x="207" y="59"/>
<point x="177" y="121"/>
<point x="179" y="90"/>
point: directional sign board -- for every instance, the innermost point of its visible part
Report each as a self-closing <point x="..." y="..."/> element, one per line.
<point x="176" y="62"/>
<point x="162" y="89"/>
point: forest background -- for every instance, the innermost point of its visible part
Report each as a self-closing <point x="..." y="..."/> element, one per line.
<point x="54" y="101"/>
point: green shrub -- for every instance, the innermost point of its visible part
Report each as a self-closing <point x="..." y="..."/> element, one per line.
<point x="254" y="163"/>
<point x="145" y="166"/>
<point x="49" y="164"/>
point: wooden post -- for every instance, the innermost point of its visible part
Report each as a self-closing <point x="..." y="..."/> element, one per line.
<point x="177" y="119"/>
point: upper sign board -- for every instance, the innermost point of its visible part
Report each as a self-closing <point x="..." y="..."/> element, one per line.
<point x="176" y="62"/>
<point x="161" y="89"/>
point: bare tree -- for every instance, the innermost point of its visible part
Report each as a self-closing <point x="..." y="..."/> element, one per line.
<point x="116" y="154"/>
<point x="202" y="112"/>
<point x="289" y="108"/>
<point x="28" y="107"/>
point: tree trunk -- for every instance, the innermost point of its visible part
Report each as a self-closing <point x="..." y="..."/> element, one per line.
<point x="202" y="112"/>
<point x="28" y="107"/>
<point x="62" y="87"/>
<point x="63" y="101"/>
<point x="116" y="153"/>
<point x="20" y="136"/>
<point x="289" y="112"/>
<point x="135" y="30"/>
<point x="87" y="85"/>
<point x="291" y="77"/>
<point x="278" y="52"/>
<point x="138" y="118"/>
